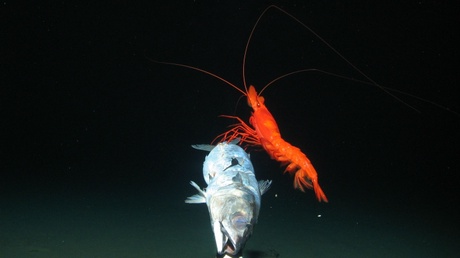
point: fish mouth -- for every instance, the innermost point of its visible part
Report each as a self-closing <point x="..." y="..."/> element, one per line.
<point x="229" y="248"/>
<point x="231" y="235"/>
<point x="226" y="244"/>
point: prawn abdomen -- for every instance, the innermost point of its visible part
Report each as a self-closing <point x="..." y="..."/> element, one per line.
<point x="298" y="164"/>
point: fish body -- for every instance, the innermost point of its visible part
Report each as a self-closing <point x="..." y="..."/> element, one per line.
<point x="233" y="195"/>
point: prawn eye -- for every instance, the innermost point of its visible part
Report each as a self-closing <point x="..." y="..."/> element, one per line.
<point x="260" y="100"/>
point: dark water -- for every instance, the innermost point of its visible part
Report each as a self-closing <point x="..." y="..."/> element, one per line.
<point x="95" y="140"/>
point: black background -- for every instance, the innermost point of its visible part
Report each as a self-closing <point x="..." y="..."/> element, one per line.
<point x="85" y="110"/>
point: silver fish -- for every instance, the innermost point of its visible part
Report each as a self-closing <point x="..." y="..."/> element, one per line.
<point x="233" y="195"/>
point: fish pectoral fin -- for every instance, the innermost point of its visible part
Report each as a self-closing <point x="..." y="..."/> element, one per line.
<point x="235" y="141"/>
<point x="203" y="147"/>
<point x="264" y="185"/>
<point x="197" y="198"/>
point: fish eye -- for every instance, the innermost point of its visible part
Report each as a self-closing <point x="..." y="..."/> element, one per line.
<point x="240" y="221"/>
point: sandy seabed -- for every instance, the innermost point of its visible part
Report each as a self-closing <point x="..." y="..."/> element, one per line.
<point x="144" y="226"/>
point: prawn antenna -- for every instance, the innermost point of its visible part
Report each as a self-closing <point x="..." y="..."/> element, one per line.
<point x="369" y="81"/>
<point x="199" y="70"/>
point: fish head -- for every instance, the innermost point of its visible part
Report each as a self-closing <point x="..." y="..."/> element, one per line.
<point x="233" y="215"/>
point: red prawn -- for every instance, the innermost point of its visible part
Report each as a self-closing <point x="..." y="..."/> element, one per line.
<point x="264" y="131"/>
